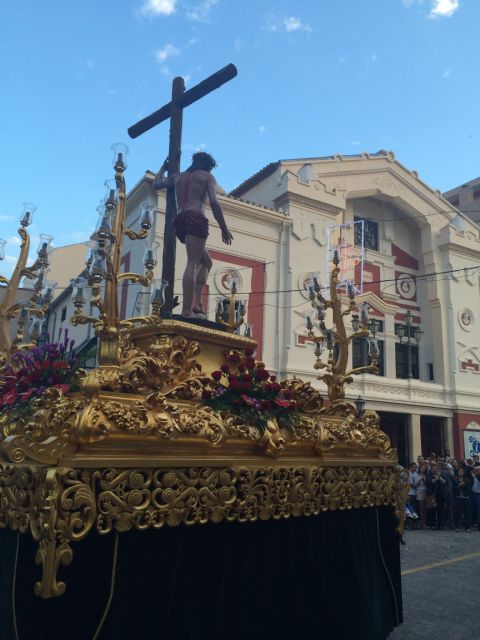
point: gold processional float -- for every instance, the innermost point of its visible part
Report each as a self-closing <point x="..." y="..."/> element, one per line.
<point x="178" y="424"/>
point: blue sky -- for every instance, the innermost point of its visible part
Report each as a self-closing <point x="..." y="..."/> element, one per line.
<point x="315" y="78"/>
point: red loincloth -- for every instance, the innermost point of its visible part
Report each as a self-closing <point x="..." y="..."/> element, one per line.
<point x="190" y="223"/>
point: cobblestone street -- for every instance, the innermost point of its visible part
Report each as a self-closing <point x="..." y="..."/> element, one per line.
<point x="440" y="579"/>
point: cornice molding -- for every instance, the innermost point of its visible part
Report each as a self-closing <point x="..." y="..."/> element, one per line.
<point x="289" y="197"/>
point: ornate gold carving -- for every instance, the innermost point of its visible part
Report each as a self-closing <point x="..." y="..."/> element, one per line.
<point x="62" y="505"/>
<point x="144" y="498"/>
<point x="17" y="485"/>
<point x="20" y="448"/>
<point x="163" y="363"/>
<point x="63" y="511"/>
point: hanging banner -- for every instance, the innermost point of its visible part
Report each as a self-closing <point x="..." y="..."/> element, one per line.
<point x="471" y="441"/>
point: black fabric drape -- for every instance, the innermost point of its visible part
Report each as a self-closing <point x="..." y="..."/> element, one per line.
<point x="322" y="575"/>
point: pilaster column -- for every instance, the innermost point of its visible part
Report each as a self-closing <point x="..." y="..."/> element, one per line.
<point x="448" y="435"/>
<point x="414" y="437"/>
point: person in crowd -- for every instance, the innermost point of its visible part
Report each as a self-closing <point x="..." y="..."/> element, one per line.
<point x="475" y="496"/>
<point x="412" y="486"/>
<point x="436" y="486"/>
<point x="448" y="457"/>
<point x="421" y="493"/>
<point x="462" y="486"/>
<point x="446" y="472"/>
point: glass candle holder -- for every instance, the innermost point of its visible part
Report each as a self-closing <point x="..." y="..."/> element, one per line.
<point x="157" y="298"/>
<point x="146" y="217"/>
<point x="78" y="291"/>
<point x="150" y="256"/>
<point x="27" y="216"/>
<point x="44" y="249"/>
<point x="120" y="152"/>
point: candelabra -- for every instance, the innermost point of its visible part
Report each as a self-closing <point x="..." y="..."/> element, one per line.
<point x="103" y="269"/>
<point x="229" y="313"/>
<point x="409" y="340"/>
<point x="336" y="341"/>
<point x="38" y="303"/>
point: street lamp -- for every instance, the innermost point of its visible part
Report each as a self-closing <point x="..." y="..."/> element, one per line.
<point x="409" y="340"/>
<point x="360" y="406"/>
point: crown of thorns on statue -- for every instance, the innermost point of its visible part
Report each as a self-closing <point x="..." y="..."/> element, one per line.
<point x="202" y="160"/>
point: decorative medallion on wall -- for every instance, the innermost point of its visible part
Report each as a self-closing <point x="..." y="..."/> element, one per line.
<point x="406" y="287"/>
<point x="225" y="277"/>
<point x="466" y="319"/>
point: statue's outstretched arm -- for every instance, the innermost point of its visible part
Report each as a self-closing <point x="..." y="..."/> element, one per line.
<point x="217" y="211"/>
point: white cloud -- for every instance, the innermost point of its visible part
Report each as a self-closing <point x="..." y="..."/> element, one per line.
<point x="15" y="240"/>
<point x="342" y="60"/>
<point x="373" y="57"/>
<point x="438" y="8"/>
<point x="295" y="24"/>
<point x="4" y="218"/>
<point x="153" y="8"/>
<point x="201" y="12"/>
<point x="168" y="51"/>
<point x="443" y="8"/>
<point x="447" y="72"/>
<point x="355" y="143"/>
<point x="262" y="128"/>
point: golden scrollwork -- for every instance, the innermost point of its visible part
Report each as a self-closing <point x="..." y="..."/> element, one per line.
<point x="61" y="505"/>
<point x="63" y="511"/>
<point x="144" y="498"/>
<point x="162" y="363"/>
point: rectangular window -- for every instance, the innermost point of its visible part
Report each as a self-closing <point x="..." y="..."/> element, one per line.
<point x="401" y="360"/>
<point x="430" y="371"/>
<point x="370" y="233"/>
<point x="360" y="356"/>
<point x="64" y="314"/>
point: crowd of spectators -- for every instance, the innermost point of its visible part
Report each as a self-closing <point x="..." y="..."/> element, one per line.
<point x="444" y="492"/>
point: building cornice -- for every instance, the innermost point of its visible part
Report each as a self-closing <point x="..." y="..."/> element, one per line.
<point x="290" y="197"/>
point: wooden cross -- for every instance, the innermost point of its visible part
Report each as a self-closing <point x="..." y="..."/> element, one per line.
<point x="174" y="111"/>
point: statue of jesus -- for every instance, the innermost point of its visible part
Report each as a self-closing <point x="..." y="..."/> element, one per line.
<point x="191" y="225"/>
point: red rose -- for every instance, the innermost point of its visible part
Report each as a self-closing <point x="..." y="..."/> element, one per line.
<point x="250" y="363"/>
<point x="241" y="367"/>
<point x="216" y="375"/>
<point x="285" y="404"/>
<point x="276" y="387"/>
<point x="248" y="401"/>
<point x="233" y="357"/>
<point x="234" y="384"/>
<point x="225" y="368"/>
<point x="247" y="377"/>
<point x="249" y="352"/>
<point x="10" y="397"/>
<point x="273" y="378"/>
<point x="266" y="405"/>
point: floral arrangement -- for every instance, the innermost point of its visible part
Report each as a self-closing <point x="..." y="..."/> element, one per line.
<point x="246" y="388"/>
<point x="49" y="365"/>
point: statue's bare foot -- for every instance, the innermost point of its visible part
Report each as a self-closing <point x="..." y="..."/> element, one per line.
<point x="198" y="312"/>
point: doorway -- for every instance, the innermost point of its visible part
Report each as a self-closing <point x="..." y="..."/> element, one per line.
<point x="395" y="426"/>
